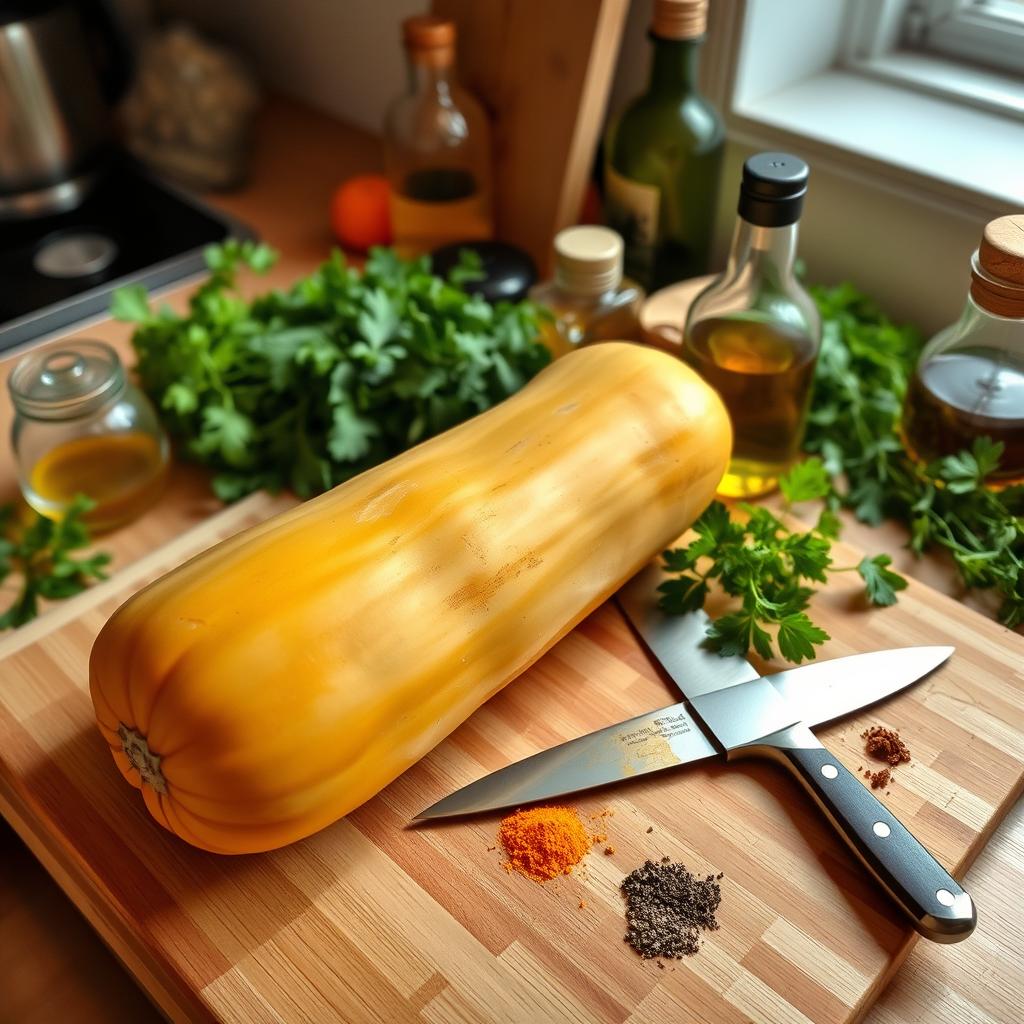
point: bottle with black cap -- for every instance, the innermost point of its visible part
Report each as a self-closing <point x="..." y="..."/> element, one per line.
<point x="754" y="332"/>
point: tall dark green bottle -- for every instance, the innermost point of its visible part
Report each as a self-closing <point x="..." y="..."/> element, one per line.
<point x="663" y="157"/>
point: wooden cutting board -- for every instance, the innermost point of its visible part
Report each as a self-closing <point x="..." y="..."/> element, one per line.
<point x="375" y="920"/>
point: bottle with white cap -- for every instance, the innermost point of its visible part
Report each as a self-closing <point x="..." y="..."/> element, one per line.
<point x="589" y="298"/>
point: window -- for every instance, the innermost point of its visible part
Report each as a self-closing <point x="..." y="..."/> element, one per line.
<point x="863" y="83"/>
<point x="987" y="32"/>
<point x="968" y="50"/>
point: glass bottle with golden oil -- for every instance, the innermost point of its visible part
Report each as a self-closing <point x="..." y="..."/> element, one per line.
<point x="589" y="298"/>
<point x="754" y="332"/>
<point x="969" y="380"/>
<point x="82" y="428"/>
<point x="437" y="148"/>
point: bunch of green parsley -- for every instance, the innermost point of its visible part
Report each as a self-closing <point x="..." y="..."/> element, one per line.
<point x="307" y="387"/>
<point x="858" y="461"/>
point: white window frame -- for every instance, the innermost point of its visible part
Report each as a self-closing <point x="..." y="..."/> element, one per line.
<point x="800" y="73"/>
<point x="990" y="32"/>
<point x="960" y="49"/>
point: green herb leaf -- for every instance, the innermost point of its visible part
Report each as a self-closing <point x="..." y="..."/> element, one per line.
<point x="130" y="303"/>
<point x="806" y="481"/>
<point x="881" y="582"/>
<point x="798" y="637"/>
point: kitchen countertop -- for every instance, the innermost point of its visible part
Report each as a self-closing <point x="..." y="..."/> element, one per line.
<point x="55" y="967"/>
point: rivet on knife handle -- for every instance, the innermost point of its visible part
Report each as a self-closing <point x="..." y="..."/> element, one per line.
<point x="937" y="906"/>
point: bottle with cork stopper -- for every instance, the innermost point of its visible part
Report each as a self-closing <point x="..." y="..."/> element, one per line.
<point x="969" y="380"/>
<point x="663" y="156"/>
<point x="437" y="148"/>
<point x="589" y="298"/>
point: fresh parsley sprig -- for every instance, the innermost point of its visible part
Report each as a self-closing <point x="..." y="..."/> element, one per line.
<point x="38" y="558"/>
<point x="307" y="387"/>
<point x="771" y="569"/>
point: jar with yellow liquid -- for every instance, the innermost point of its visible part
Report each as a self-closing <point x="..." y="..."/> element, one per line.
<point x="754" y="332"/>
<point x="589" y="298"/>
<point x="82" y="428"/>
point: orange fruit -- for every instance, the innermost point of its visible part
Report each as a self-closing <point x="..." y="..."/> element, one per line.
<point x="361" y="212"/>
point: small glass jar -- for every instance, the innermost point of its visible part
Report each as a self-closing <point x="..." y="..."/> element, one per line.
<point x="82" y="428"/>
<point x="589" y="298"/>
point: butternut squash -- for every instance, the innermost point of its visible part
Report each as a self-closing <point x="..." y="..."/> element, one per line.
<point x="272" y="684"/>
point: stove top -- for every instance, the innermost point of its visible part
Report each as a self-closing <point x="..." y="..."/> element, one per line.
<point x="131" y="228"/>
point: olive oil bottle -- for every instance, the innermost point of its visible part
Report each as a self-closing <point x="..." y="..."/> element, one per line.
<point x="663" y="156"/>
<point x="754" y="332"/>
<point x="969" y="381"/>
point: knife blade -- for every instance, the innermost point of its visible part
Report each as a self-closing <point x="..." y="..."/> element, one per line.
<point x="670" y="736"/>
<point x="749" y="716"/>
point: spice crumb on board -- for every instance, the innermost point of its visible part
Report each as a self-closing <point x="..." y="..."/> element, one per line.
<point x="667" y="907"/>
<point x="609" y="850"/>
<point x="885" y="745"/>
<point x="650" y="829"/>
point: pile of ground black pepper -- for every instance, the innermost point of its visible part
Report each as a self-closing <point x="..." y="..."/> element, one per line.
<point x="667" y="907"/>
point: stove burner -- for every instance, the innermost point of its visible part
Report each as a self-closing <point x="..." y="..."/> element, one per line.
<point x="75" y="254"/>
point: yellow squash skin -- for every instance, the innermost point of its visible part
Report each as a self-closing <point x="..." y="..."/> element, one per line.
<point x="290" y="673"/>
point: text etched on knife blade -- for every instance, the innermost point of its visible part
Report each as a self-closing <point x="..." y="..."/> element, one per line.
<point x="667" y="727"/>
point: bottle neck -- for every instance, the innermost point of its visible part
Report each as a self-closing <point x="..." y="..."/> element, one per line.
<point x="674" y="67"/>
<point x="768" y="252"/>
<point x="427" y="76"/>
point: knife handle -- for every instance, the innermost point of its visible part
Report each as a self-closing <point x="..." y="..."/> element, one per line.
<point x="938" y="907"/>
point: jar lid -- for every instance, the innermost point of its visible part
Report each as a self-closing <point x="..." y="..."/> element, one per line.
<point x="508" y="272"/>
<point x="679" y="19"/>
<point x="588" y="259"/>
<point x="773" y="189"/>
<point x="65" y="383"/>
<point x="997" y="268"/>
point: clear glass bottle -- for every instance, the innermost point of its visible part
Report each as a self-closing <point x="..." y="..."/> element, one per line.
<point x="754" y="332"/>
<point x="82" y="428"/>
<point x="663" y="156"/>
<point x="437" y="148"/>
<point x="969" y="380"/>
<point x="589" y="298"/>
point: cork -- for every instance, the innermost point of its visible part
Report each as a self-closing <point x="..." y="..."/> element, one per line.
<point x="429" y="40"/>
<point x="679" y="19"/>
<point x="997" y="268"/>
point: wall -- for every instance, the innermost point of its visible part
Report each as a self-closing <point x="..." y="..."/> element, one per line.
<point x="344" y="56"/>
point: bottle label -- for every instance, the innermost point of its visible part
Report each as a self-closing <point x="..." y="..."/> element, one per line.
<point x="632" y="210"/>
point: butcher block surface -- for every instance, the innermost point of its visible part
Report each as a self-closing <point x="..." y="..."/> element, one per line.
<point x="375" y="919"/>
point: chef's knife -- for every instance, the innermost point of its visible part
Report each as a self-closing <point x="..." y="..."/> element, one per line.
<point x="748" y="715"/>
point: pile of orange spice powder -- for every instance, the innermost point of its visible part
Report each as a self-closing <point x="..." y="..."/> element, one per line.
<point x="544" y="842"/>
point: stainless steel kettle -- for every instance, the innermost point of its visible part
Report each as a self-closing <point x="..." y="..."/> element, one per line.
<point x="62" y="66"/>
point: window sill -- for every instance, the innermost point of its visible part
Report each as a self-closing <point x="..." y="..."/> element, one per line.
<point x="906" y="137"/>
